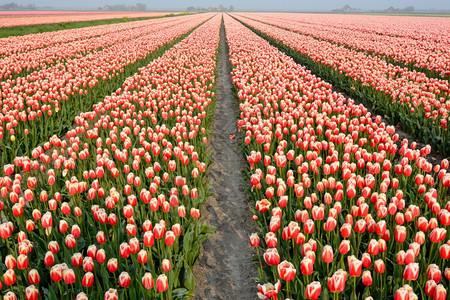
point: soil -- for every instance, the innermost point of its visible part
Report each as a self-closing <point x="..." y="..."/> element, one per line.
<point x="223" y="270"/>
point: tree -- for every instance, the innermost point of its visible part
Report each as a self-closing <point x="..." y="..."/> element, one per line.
<point x="141" y="6"/>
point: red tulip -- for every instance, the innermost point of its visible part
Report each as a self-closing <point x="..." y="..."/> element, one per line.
<point x="82" y="296"/>
<point x="355" y="266"/>
<point x="124" y="279"/>
<point x="379" y="266"/>
<point x="124" y="250"/>
<point x="56" y="273"/>
<point x="112" y="265"/>
<point x="22" y="261"/>
<point x="344" y="247"/>
<point x="111" y="294"/>
<point x="411" y="271"/>
<point x="88" y="279"/>
<point x="271" y="257"/>
<point x="336" y="283"/>
<point x="147" y="281"/>
<point x="10" y="296"/>
<point x="9" y="277"/>
<point x="306" y="266"/>
<point x="367" y="278"/>
<point x="33" y="276"/>
<point x="162" y="283"/>
<point x="49" y="259"/>
<point x="269" y="290"/>
<point x="440" y="293"/>
<point x="327" y="254"/>
<point x="101" y="256"/>
<point x="31" y="293"/>
<point x="313" y="290"/>
<point x="286" y="270"/>
<point x="254" y="240"/>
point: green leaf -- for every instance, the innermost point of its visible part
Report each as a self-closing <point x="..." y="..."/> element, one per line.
<point x="189" y="279"/>
<point x="180" y="293"/>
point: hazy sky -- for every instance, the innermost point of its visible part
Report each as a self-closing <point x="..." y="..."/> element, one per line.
<point x="291" y="5"/>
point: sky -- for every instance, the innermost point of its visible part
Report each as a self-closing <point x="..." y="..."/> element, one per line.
<point x="279" y="5"/>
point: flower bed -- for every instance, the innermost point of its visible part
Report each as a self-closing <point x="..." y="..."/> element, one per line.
<point x="419" y="104"/>
<point x="111" y="210"/>
<point x="341" y="211"/>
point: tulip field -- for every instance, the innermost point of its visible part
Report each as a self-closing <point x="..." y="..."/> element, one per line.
<point x="419" y="103"/>
<point x="13" y="19"/>
<point x="105" y="144"/>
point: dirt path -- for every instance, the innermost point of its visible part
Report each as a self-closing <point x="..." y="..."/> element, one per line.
<point x="224" y="269"/>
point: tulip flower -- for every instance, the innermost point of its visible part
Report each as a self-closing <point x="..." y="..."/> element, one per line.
<point x="313" y="290"/>
<point x="411" y="272"/>
<point x="162" y="283"/>
<point x="336" y="283"/>
<point x="271" y="257"/>
<point x="269" y="290"/>
<point x="147" y="281"/>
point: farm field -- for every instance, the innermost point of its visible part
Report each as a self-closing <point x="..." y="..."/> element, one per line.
<point x="20" y="18"/>
<point x="231" y="155"/>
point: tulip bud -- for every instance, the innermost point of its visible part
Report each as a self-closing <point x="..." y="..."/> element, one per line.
<point x="33" y="276"/>
<point x="355" y="266"/>
<point x="313" y="290"/>
<point x="440" y="293"/>
<point x="166" y="266"/>
<point x="82" y="296"/>
<point x="124" y="279"/>
<point x="306" y="266"/>
<point x="147" y="281"/>
<point x="101" y="256"/>
<point x="111" y="294"/>
<point x="379" y="266"/>
<point x="162" y="283"/>
<point x="31" y="293"/>
<point x="88" y="279"/>
<point x="112" y="265"/>
<point x="49" y="259"/>
<point x="9" y="277"/>
<point x="367" y="278"/>
<point x="286" y="271"/>
<point x="271" y="257"/>
<point x="327" y="254"/>
<point x="254" y="240"/>
<point x="411" y="271"/>
<point x="344" y="247"/>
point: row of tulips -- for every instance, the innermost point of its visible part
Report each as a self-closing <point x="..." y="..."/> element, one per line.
<point x="425" y="55"/>
<point x="51" y="17"/>
<point x="30" y="104"/>
<point x="341" y="211"/>
<point x="419" y="104"/>
<point x="18" y="44"/>
<point x="416" y="27"/>
<point x="20" y="64"/>
<point x="111" y="211"/>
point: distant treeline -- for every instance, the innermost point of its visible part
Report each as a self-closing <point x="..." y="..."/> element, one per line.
<point x="14" y="6"/>
<point x="124" y="7"/>
<point x="219" y="8"/>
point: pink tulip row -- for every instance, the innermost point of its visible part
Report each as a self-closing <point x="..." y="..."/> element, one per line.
<point x="423" y="54"/>
<point x="26" y="99"/>
<point x="45" y="57"/>
<point x="413" y="93"/>
<point x="421" y="28"/>
<point x="111" y="210"/>
<point x="51" y="18"/>
<point x="24" y="43"/>
<point x="339" y="215"/>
